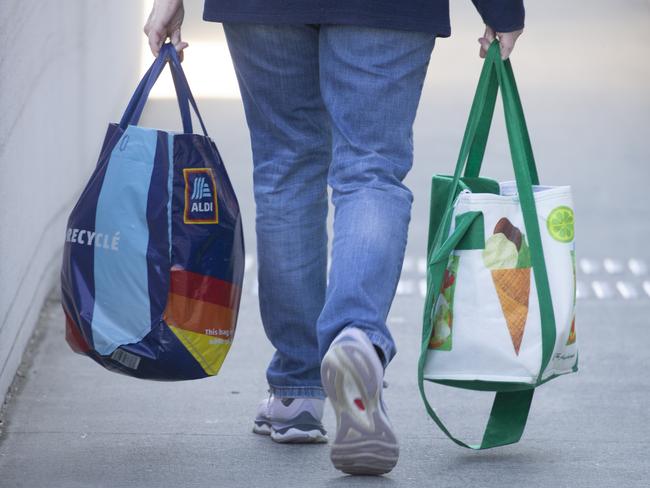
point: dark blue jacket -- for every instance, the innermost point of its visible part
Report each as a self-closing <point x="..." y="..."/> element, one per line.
<point x="417" y="15"/>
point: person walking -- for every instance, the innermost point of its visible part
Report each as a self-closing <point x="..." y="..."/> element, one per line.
<point x="330" y="90"/>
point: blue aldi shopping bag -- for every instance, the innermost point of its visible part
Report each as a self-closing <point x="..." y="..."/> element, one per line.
<point x="154" y="253"/>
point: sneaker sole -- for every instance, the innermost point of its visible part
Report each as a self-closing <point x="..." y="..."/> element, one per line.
<point x="261" y="428"/>
<point x="297" y="436"/>
<point x="303" y="429"/>
<point x="365" y="442"/>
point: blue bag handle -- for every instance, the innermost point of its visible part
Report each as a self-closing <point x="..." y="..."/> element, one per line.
<point x="181" y="80"/>
<point x="183" y="86"/>
<point x="183" y="93"/>
<point x="136" y="104"/>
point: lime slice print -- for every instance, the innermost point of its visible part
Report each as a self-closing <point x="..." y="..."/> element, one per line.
<point x="560" y="224"/>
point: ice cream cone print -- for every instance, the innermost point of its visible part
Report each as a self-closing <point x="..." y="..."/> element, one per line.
<point x="507" y="256"/>
<point x="513" y="288"/>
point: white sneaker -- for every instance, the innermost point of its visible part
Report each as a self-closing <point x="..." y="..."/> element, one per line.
<point x="352" y="376"/>
<point x="291" y="420"/>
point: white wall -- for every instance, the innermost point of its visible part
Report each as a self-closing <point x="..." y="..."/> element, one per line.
<point x="67" y="68"/>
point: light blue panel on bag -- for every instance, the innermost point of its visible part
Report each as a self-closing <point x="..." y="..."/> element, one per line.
<point x="122" y="313"/>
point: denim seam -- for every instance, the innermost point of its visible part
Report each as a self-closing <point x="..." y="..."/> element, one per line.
<point x="297" y="391"/>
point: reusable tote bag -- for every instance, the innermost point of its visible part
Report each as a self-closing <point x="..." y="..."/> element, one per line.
<point x="154" y="252"/>
<point x="501" y="284"/>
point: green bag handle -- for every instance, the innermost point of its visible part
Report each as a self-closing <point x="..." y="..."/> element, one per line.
<point x="520" y="152"/>
<point x="478" y="145"/>
<point x="510" y="409"/>
<point x="519" y="148"/>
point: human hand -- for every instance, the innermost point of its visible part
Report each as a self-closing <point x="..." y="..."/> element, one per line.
<point x="507" y="41"/>
<point x="164" y="22"/>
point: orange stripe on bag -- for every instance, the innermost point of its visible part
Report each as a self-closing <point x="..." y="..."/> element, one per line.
<point x="200" y="317"/>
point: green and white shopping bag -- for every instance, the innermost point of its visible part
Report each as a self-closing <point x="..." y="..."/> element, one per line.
<point x="501" y="278"/>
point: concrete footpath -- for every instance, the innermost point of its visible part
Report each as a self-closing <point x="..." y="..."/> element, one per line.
<point x="70" y="423"/>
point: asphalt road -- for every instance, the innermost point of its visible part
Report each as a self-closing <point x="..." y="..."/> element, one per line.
<point x="583" y="75"/>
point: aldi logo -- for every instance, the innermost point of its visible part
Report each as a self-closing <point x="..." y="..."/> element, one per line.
<point x="200" y="196"/>
<point x="201" y="189"/>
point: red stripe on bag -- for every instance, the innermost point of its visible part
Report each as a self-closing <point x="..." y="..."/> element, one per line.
<point x="73" y="336"/>
<point x="201" y="287"/>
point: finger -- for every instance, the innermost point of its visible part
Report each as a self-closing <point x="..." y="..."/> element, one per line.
<point x="176" y="38"/>
<point x="508" y="41"/>
<point x="486" y="40"/>
<point x="179" y="45"/>
<point x="506" y="51"/>
<point x="507" y="44"/>
<point x="485" y="45"/>
<point x="155" y="42"/>
<point x="179" y="50"/>
<point x="490" y="35"/>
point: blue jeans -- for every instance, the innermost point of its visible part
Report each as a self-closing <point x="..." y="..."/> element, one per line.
<point x="329" y="104"/>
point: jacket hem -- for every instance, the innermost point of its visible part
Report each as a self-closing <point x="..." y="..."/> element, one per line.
<point x="341" y="17"/>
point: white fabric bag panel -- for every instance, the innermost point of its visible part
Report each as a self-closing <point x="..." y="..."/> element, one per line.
<point x="481" y="345"/>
